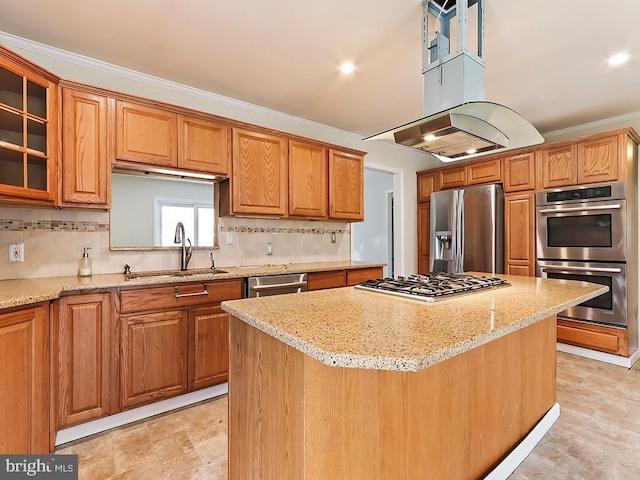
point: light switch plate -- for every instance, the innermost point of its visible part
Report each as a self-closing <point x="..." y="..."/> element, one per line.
<point x="229" y="240"/>
<point x="269" y="248"/>
<point x="16" y="253"/>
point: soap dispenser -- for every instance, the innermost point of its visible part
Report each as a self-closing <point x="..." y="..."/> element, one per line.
<point x="84" y="268"/>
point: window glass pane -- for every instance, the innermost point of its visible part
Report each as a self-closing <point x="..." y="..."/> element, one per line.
<point x="36" y="99"/>
<point x="170" y="216"/>
<point x="11" y="168"/>
<point x="205" y="225"/>
<point x="37" y="136"/>
<point x="11" y="89"/>
<point x="11" y="128"/>
<point x="37" y="173"/>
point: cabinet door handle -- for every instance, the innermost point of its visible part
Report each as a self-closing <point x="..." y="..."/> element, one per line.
<point x="197" y="294"/>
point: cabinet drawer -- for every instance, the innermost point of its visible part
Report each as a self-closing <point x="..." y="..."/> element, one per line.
<point x="604" y="339"/>
<point x="354" y="277"/>
<point x="321" y="280"/>
<point x="187" y="294"/>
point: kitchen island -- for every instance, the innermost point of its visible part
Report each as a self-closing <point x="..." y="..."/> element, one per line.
<point x="353" y="384"/>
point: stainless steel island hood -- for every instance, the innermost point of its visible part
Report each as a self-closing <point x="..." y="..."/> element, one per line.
<point x="459" y="123"/>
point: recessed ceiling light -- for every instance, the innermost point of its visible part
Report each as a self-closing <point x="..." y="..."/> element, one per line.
<point x="347" y="68"/>
<point x="618" y="59"/>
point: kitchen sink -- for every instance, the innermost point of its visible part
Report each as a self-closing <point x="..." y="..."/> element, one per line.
<point x="173" y="273"/>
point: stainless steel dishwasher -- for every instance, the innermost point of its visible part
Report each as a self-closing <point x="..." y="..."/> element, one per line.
<point x="275" y="285"/>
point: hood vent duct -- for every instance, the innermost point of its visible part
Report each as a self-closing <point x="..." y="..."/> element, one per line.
<point x="458" y="123"/>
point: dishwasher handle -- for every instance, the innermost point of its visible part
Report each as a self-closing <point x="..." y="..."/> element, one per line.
<point x="258" y="288"/>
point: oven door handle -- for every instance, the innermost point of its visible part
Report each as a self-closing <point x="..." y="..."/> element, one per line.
<point x="615" y="206"/>
<point x="582" y="269"/>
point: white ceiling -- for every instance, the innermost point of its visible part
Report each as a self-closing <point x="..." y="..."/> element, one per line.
<point x="546" y="59"/>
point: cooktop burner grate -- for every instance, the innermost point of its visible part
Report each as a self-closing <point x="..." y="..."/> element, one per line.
<point x="431" y="287"/>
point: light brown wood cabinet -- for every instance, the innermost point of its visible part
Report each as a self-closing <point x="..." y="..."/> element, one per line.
<point x="259" y="183"/>
<point x="452" y="177"/>
<point x="559" y="166"/>
<point x="427" y="184"/>
<point x="24" y="380"/>
<point x="173" y="339"/>
<point x="153" y="356"/>
<point x="308" y="180"/>
<point x="596" y="337"/>
<point x="519" y="172"/>
<point x="342" y="278"/>
<point x="28" y="131"/>
<point x="595" y="159"/>
<point x="483" y="172"/>
<point x="208" y="347"/>
<point x="346" y="186"/>
<point x="83" y="336"/>
<point x="146" y="134"/>
<point x="204" y="145"/>
<point x="519" y="234"/>
<point x="86" y="166"/>
<point x="424" y="236"/>
<point x="598" y="160"/>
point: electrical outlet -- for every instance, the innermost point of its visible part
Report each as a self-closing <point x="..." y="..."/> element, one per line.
<point x="269" y="248"/>
<point x="229" y="238"/>
<point x="16" y="252"/>
<point x="333" y="237"/>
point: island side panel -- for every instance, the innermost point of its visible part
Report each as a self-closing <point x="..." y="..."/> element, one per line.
<point x="265" y="406"/>
<point x="454" y="420"/>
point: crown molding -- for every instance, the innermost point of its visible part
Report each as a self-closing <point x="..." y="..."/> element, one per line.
<point x="10" y="40"/>
<point x="578" y="129"/>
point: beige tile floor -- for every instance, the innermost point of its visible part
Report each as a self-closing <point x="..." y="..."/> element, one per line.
<point x="596" y="437"/>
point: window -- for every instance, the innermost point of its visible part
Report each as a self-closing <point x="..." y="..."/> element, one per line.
<point x="197" y="218"/>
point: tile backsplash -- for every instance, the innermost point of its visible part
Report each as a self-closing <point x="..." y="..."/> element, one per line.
<point x="54" y="239"/>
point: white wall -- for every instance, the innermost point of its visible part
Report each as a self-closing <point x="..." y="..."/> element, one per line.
<point x="369" y="242"/>
<point x="85" y="70"/>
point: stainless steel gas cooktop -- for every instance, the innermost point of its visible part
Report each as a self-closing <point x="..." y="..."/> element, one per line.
<point x="431" y="287"/>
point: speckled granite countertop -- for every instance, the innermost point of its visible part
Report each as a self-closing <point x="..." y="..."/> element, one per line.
<point x="347" y="327"/>
<point x="14" y="293"/>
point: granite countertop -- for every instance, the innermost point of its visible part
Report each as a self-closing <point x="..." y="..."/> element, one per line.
<point x="14" y="293"/>
<point x="348" y="327"/>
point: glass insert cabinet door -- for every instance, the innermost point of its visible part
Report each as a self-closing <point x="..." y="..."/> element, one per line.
<point x="26" y="132"/>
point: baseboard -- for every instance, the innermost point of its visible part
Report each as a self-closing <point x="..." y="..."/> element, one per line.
<point x="626" y="362"/>
<point x="112" y="421"/>
<point x="525" y="447"/>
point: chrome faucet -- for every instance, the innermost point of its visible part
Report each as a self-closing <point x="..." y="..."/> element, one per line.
<point x="185" y="252"/>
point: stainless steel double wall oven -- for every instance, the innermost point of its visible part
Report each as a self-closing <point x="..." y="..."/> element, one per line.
<point x="587" y="233"/>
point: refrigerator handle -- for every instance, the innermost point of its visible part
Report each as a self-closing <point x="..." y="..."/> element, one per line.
<point x="458" y="237"/>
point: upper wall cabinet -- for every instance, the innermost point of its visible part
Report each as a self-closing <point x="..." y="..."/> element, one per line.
<point x="346" y="186"/>
<point x="162" y="138"/>
<point x="519" y="172"/>
<point x="427" y="184"/>
<point x="595" y="159"/>
<point x="28" y="131"/>
<point x="259" y="180"/>
<point x="85" y="159"/>
<point x="308" y="180"/>
<point x="203" y="145"/>
<point x="146" y="134"/>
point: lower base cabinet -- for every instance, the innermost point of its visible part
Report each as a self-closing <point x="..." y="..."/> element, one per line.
<point x="208" y="347"/>
<point x="153" y="357"/>
<point x="24" y="380"/>
<point x="341" y="278"/>
<point x="596" y="337"/>
<point x="83" y="335"/>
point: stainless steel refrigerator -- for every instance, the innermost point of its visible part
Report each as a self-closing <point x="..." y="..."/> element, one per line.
<point x="467" y="230"/>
